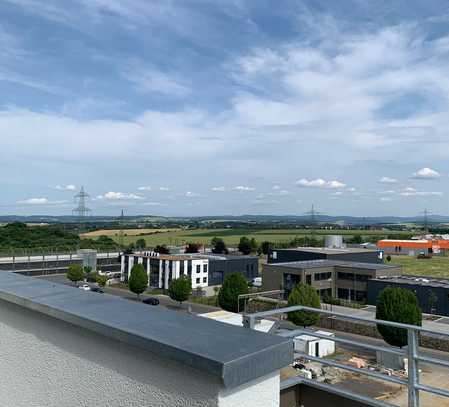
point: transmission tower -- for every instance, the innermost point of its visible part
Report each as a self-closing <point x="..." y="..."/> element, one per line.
<point x="121" y="234"/>
<point x="313" y="219"/>
<point x="426" y="214"/>
<point x="81" y="209"/>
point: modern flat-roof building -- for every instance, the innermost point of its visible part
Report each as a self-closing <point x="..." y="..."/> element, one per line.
<point x="323" y="253"/>
<point x="204" y="269"/>
<point x="332" y="278"/>
<point x="414" y="247"/>
<point x="432" y="293"/>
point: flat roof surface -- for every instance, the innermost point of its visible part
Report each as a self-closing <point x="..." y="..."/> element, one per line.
<point x="308" y="264"/>
<point x="417" y="280"/>
<point x="174" y="257"/>
<point x="234" y="355"/>
<point x="326" y="250"/>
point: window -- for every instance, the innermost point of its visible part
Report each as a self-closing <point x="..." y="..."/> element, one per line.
<point x="309" y="279"/>
<point x="274" y="255"/>
<point x="345" y="276"/>
<point x="198" y="268"/>
<point x="204" y="279"/>
<point x="361" y="277"/>
<point x="181" y="267"/>
<point x="205" y="268"/>
<point x="189" y="267"/>
<point x="322" y="276"/>
<point x="198" y="280"/>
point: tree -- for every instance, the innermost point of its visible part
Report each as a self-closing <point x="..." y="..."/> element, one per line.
<point x="356" y="239"/>
<point x="101" y="280"/>
<point x="192" y="248"/>
<point x="75" y="273"/>
<point x="244" y="245"/>
<point x="233" y="286"/>
<point x="218" y="246"/>
<point x="398" y="305"/>
<point x="162" y="249"/>
<point x="432" y="301"/>
<point x="180" y="289"/>
<point x="254" y="245"/>
<point x="141" y="244"/>
<point x="265" y="247"/>
<point x="307" y="296"/>
<point x="138" y="280"/>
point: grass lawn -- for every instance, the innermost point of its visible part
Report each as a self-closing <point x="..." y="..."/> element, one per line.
<point x="232" y="236"/>
<point x="435" y="267"/>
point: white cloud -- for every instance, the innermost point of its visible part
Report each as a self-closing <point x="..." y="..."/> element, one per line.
<point x="219" y="189"/>
<point x="387" y="192"/>
<point x="151" y="203"/>
<point x="276" y="188"/>
<point x="243" y="188"/>
<point x="385" y="199"/>
<point x="144" y="188"/>
<point x="388" y="180"/>
<point x="115" y="196"/>
<point x="410" y="191"/>
<point x="190" y="194"/>
<point x="69" y="187"/>
<point x="164" y="189"/>
<point x="426" y="173"/>
<point x="40" y="201"/>
<point x="320" y="183"/>
<point x="154" y="80"/>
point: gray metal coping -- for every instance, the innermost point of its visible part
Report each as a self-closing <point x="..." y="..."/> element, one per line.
<point x="318" y="263"/>
<point x="234" y="355"/>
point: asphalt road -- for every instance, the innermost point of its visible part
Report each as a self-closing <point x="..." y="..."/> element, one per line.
<point x="164" y="300"/>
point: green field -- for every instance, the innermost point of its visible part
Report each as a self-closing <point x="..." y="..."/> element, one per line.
<point x="437" y="266"/>
<point x="232" y="236"/>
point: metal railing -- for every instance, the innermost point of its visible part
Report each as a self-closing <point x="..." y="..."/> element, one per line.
<point x="412" y="353"/>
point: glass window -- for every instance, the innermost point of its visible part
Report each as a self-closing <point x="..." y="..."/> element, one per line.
<point x="205" y="268"/>
<point x="204" y="279"/>
<point x="198" y="280"/>
<point x="198" y="268"/>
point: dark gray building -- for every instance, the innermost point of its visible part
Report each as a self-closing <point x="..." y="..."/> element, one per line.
<point x="221" y="266"/>
<point x="359" y="255"/>
<point x="432" y="293"/>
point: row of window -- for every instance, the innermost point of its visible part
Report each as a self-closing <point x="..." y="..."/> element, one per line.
<point x="352" y="276"/>
<point x="198" y="280"/>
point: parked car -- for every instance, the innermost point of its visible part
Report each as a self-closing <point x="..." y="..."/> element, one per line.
<point x="151" y="301"/>
<point x="257" y="282"/>
<point x="84" y="287"/>
<point x="97" y="290"/>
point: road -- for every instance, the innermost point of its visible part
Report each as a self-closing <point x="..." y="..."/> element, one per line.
<point x="164" y="300"/>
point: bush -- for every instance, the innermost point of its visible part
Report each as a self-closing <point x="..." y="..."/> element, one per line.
<point x="307" y="296"/>
<point x="101" y="280"/>
<point x="192" y="248"/>
<point x="75" y="273"/>
<point x="218" y="246"/>
<point x="140" y="244"/>
<point x="398" y="305"/>
<point x="180" y="289"/>
<point x="138" y="280"/>
<point x="162" y="249"/>
<point x="233" y="286"/>
<point x="244" y="245"/>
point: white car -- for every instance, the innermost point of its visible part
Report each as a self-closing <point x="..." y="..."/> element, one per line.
<point x="84" y="287"/>
<point x="257" y="282"/>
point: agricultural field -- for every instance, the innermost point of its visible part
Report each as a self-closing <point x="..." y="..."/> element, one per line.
<point x="126" y="232"/>
<point x="230" y="236"/>
<point x="437" y="266"/>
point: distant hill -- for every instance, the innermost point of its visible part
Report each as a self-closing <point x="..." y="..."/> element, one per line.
<point x="342" y="220"/>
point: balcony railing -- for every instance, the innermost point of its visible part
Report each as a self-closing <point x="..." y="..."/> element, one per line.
<point x="412" y="353"/>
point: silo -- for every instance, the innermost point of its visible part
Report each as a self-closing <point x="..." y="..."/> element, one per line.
<point x="333" y="242"/>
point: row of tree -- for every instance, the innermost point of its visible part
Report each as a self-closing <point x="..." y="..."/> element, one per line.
<point x="394" y="304"/>
<point x="77" y="273"/>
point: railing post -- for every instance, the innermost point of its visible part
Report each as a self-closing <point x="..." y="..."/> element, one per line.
<point x="413" y="372"/>
<point x="249" y="321"/>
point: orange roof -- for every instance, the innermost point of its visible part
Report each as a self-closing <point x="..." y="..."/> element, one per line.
<point x="409" y="244"/>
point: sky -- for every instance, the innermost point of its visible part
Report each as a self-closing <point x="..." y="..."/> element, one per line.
<point x="224" y="107"/>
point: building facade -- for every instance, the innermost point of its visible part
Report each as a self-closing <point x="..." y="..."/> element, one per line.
<point x="204" y="269"/>
<point x="163" y="268"/>
<point x="331" y="278"/>
<point x="432" y="293"/>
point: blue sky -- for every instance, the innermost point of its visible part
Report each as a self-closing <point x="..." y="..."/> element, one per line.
<point x="202" y="107"/>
